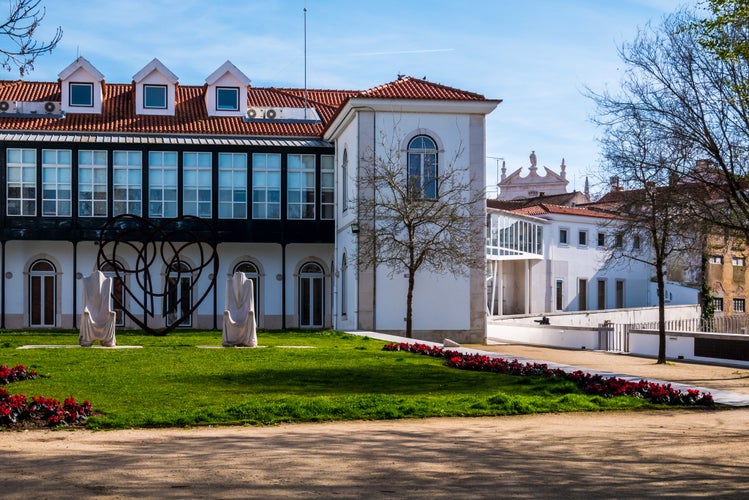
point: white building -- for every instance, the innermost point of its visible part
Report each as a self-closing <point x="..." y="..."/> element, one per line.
<point x="272" y="171"/>
<point x="549" y="258"/>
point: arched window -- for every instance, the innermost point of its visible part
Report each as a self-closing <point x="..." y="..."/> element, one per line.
<point x="344" y="180"/>
<point x="422" y="168"/>
<point x="117" y="273"/>
<point x="250" y="271"/>
<point x="42" y="294"/>
<point x="178" y="295"/>
<point x="311" y="295"/>
<point x="344" y="280"/>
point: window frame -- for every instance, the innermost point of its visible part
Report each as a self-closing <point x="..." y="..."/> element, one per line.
<point x="71" y="94"/>
<point x="327" y="187"/>
<point x="193" y="173"/>
<point x="301" y="199"/>
<point x="62" y="205"/>
<point x="564" y="236"/>
<point x="151" y="86"/>
<point x="344" y="181"/>
<point x="738" y="261"/>
<point x="93" y="187"/>
<point x="716" y="259"/>
<point x="582" y="294"/>
<point x="582" y="238"/>
<point x="169" y="208"/>
<point x="718" y="304"/>
<point x="418" y="160"/>
<point x="236" y="203"/>
<point x="131" y="170"/>
<point x="601" y="240"/>
<point x="263" y="170"/>
<point x="27" y="205"/>
<point x="235" y="106"/>
<point x="739" y="305"/>
<point x="559" y="294"/>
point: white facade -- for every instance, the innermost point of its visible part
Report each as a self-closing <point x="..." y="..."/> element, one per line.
<point x="574" y="272"/>
<point x="444" y="305"/>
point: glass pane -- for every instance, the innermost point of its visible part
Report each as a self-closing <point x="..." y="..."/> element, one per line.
<point x="81" y="94"/>
<point x="154" y="96"/>
<point x="14" y="174"/>
<point x="170" y="158"/>
<point x="85" y="157"/>
<point x="273" y="162"/>
<point x="14" y="156"/>
<point x="189" y="160"/>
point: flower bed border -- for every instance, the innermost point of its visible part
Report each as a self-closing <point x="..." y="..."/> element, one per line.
<point x="594" y="384"/>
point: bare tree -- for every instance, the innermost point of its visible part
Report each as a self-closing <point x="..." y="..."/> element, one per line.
<point x="410" y="223"/>
<point x="654" y="226"/>
<point x="686" y="94"/>
<point x="21" y="47"/>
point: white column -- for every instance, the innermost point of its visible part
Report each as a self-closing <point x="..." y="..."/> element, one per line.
<point x="527" y="277"/>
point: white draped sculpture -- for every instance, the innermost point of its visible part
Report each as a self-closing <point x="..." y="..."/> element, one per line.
<point x="239" y="314"/>
<point x="97" y="317"/>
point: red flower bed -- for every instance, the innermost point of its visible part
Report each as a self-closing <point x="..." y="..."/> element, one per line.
<point x="18" y="411"/>
<point x="590" y="384"/>
<point x="15" y="374"/>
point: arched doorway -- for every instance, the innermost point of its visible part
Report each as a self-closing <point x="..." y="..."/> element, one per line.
<point x="250" y="270"/>
<point x="178" y="294"/>
<point x="311" y="296"/>
<point x="42" y="294"/>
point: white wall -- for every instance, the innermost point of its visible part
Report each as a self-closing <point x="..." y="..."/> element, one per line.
<point x="594" y="318"/>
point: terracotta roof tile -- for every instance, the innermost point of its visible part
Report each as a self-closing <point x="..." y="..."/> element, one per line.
<point x="544" y="209"/>
<point x="413" y="88"/>
<point x="118" y="110"/>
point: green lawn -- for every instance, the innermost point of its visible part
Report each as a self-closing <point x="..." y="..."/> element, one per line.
<point x="172" y="382"/>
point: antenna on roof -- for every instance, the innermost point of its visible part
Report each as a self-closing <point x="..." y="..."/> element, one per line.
<point x="305" y="60"/>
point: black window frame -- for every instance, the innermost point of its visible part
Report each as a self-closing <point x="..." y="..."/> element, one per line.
<point x="90" y="87"/>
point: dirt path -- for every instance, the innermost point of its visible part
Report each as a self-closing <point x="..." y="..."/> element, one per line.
<point x="632" y="455"/>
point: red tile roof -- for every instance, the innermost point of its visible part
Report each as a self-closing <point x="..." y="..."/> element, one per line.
<point x="543" y="209"/>
<point x="413" y="88"/>
<point x="118" y="110"/>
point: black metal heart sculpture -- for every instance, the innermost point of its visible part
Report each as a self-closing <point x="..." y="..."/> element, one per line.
<point x="153" y="244"/>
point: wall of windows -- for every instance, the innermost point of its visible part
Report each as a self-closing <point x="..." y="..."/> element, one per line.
<point x="172" y="183"/>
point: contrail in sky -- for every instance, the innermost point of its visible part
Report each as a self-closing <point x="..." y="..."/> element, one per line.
<point x="395" y="52"/>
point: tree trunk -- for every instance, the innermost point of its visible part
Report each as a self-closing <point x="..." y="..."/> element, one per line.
<point x="660" y="278"/>
<point x="409" y="303"/>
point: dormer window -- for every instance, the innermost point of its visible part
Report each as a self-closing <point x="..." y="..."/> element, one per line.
<point x="154" y="96"/>
<point x="82" y="94"/>
<point x="227" y="98"/>
<point x="155" y="90"/>
<point x="81" y="88"/>
<point x="226" y="91"/>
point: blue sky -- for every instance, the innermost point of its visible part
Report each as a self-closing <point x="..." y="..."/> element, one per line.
<point x="535" y="55"/>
